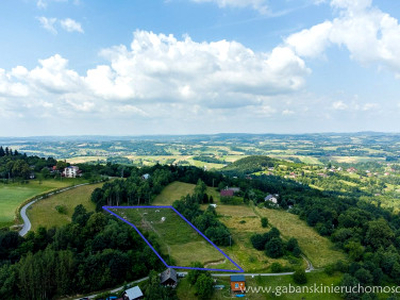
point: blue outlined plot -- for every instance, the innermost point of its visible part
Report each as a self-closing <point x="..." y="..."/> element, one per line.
<point x="130" y="223"/>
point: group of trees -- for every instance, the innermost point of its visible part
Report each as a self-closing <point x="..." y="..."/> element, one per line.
<point x="206" y="221"/>
<point x="93" y="252"/>
<point x="273" y="245"/>
<point x="135" y="190"/>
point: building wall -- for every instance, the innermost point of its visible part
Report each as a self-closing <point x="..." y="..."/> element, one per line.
<point x="237" y="286"/>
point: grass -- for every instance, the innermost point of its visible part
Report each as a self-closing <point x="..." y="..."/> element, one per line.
<point x="175" y="236"/>
<point x="177" y="190"/>
<point x="242" y="251"/>
<point x="44" y="213"/>
<point x="319" y="250"/>
<point x="186" y="291"/>
<point x="13" y="194"/>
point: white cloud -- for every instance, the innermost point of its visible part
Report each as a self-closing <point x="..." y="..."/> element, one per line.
<point x="48" y="24"/>
<point x="156" y="73"/>
<point x="67" y="24"/>
<point x="71" y="25"/>
<point x="370" y="106"/>
<point x="44" y="3"/>
<point x="370" y="35"/>
<point x="287" y="112"/>
<point x="259" y="5"/>
<point x="339" y="105"/>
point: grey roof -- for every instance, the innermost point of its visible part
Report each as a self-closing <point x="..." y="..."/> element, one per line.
<point x="134" y="293"/>
<point x="237" y="278"/>
<point x="168" y="274"/>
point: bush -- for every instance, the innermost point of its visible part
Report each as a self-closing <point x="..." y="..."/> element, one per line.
<point x="276" y="268"/>
<point x="299" y="276"/>
<point x="264" y="222"/>
<point x="62" y="209"/>
<point x="274" y="248"/>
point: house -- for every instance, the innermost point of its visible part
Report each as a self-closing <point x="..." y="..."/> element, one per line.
<point x="226" y="193"/>
<point x="71" y="172"/>
<point x="133" y="294"/>
<point x="169" y="278"/>
<point x="213" y="205"/>
<point x="271" y="198"/>
<point x="145" y="176"/>
<point x="238" y="283"/>
<point x="235" y="189"/>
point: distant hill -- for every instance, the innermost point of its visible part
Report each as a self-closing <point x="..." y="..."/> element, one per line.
<point x="250" y="164"/>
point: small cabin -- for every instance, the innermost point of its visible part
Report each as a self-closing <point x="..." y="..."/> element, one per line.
<point x="169" y="278"/>
<point x="238" y="283"/>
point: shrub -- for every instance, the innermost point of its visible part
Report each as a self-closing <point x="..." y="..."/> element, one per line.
<point x="299" y="276"/>
<point x="62" y="209"/>
<point x="264" y="222"/>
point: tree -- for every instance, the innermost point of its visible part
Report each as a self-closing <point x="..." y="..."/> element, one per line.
<point x="264" y="222"/>
<point x="193" y="275"/>
<point x="2" y="153"/>
<point x="299" y="276"/>
<point x="258" y="241"/>
<point x="379" y="233"/>
<point x="204" y="286"/>
<point x="274" y="248"/>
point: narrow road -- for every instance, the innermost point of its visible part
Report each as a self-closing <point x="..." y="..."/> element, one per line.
<point x="27" y="223"/>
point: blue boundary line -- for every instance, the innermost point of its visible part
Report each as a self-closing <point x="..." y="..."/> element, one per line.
<point x="107" y="208"/>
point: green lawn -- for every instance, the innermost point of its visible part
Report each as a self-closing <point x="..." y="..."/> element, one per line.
<point x="44" y="213"/>
<point x="187" y="292"/>
<point x="13" y="194"/>
<point x="175" y="236"/>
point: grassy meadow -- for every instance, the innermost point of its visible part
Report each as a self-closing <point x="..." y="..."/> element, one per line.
<point x="13" y="194"/>
<point x="177" y="190"/>
<point x="319" y="250"/>
<point x="44" y="213"/>
<point x="175" y="236"/>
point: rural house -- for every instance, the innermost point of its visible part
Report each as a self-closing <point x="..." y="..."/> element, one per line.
<point x="169" y="277"/>
<point x="71" y="172"/>
<point x="271" y="198"/>
<point x="238" y="283"/>
<point x="226" y="193"/>
<point x="134" y="293"/>
<point x="145" y="176"/>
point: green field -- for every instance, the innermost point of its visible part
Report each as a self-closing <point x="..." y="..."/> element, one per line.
<point x="187" y="292"/>
<point x="177" y="190"/>
<point x="175" y="236"/>
<point x="244" y="221"/>
<point x="319" y="250"/>
<point x="13" y="194"/>
<point x="44" y="212"/>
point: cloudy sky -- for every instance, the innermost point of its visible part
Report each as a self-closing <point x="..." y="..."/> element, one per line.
<point x="134" y="67"/>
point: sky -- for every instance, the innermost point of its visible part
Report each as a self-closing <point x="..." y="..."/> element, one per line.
<point x="135" y="67"/>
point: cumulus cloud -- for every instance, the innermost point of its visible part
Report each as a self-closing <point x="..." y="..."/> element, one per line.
<point x="67" y="24"/>
<point x="259" y="5"/>
<point x="370" y="35"/>
<point x="71" y="25"/>
<point x="48" y="24"/>
<point x="159" y="71"/>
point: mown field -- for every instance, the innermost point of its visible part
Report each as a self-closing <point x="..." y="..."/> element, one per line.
<point x="175" y="236"/>
<point x="244" y="221"/>
<point x="319" y="250"/>
<point x="44" y="213"/>
<point x="177" y="190"/>
<point x="13" y="194"/>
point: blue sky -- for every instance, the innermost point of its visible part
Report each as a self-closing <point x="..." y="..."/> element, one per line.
<point x="133" y="67"/>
